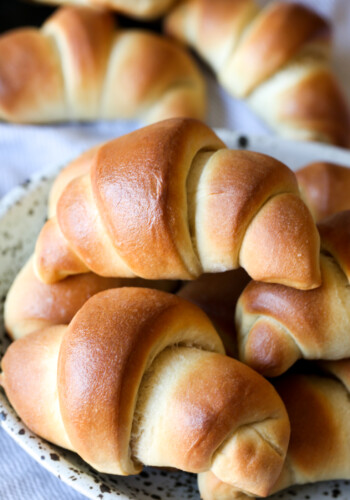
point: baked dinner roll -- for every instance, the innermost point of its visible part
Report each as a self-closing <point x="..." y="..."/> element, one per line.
<point x="217" y="295"/>
<point x="141" y="9"/>
<point x="319" y="411"/>
<point x="277" y="325"/>
<point x="325" y="188"/>
<point x="79" y="66"/>
<point x="138" y="377"/>
<point x="259" y="55"/>
<point x="32" y="305"/>
<point x="170" y="201"/>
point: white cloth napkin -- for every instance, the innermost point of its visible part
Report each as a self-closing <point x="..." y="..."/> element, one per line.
<point x="26" y="149"/>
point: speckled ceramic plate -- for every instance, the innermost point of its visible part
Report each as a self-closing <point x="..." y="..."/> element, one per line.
<point x="22" y="214"/>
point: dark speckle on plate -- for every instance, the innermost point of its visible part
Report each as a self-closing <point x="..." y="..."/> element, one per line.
<point x="243" y="142"/>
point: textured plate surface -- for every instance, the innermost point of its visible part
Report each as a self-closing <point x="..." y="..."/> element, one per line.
<point x="22" y="214"/>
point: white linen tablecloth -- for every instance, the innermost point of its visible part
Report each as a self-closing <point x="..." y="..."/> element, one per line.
<point x="26" y="149"/>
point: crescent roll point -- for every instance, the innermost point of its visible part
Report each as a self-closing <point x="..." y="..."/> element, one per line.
<point x="32" y="305"/>
<point x="325" y="188"/>
<point x="318" y="408"/>
<point x="283" y="73"/>
<point x="170" y="201"/>
<point x="278" y="325"/>
<point x="137" y="371"/>
<point x="79" y="66"/>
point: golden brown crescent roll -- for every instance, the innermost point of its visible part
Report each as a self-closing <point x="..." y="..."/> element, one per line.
<point x="325" y="188"/>
<point x="138" y="377"/>
<point x="319" y="411"/>
<point x="277" y="325"/>
<point x="258" y="54"/>
<point x="79" y="66"/>
<point x="217" y="295"/>
<point x="170" y="201"/>
<point x="31" y="305"/>
<point x="141" y="9"/>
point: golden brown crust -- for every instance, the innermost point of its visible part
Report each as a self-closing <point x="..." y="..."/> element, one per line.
<point x="80" y="67"/>
<point x="83" y="40"/>
<point x="124" y="345"/>
<point x="33" y="61"/>
<point x="317" y="406"/>
<point x="30" y="376"/>
<point x="271" y="41"/>
<point x="284" y="229"/>
<point x="317" y="104"/>
<point x="60" y="263"/>
<point x="228" y="197"/>
<point x="159" y="219"/>
<point x="278" y="324"/>
<point x="311" y="416"/>
<point x="169" y="201"/>
<point x="151" y="77"/>
<point x="213" y="416"/>
<point x="268" y="349"/>
<point x="76" y="168"/>
<point x="90" y="241"/>
<point x="31" y="305"/>
<point x="325" y="188"/>
<point x="211" y="28"/>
